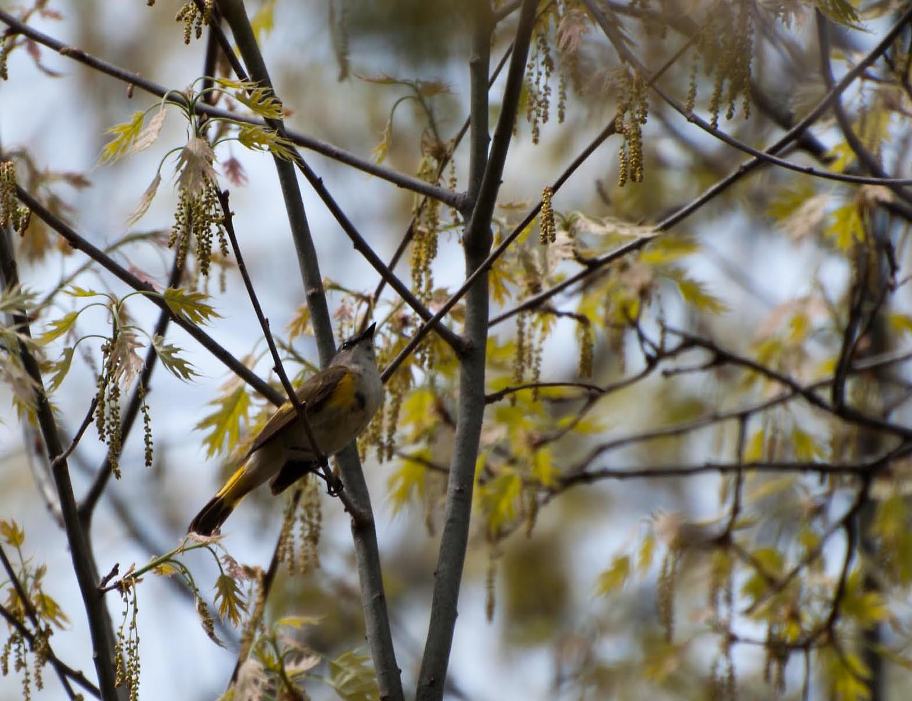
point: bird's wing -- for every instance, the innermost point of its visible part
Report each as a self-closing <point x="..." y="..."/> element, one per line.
<point x="316" y="392"/>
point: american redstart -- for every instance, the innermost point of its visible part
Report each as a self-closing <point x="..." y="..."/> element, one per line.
<point x="340" y="401"/>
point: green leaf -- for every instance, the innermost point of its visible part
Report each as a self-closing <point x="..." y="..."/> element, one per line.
<point x="12" y="533"/>
<point x="76" y="291"/>
<point x="57" y="328"/>
<point x="189" y="305"/>
<point x="804" y="445"/>
<point x="408" y="479"/>
<point x="259" y="99"/>
<point x="646" y="554"/>
<point x="379" y="152"/>
<point x="122" y="137"/>
<point x="49" y="610"/>
<point x="615" y="576"/>
<point x="264" y="20"/>
<point x="840" y="11"/>
<point x="499" y="498"/>
<point x="353" y="678"/>
<point x="668" y="249"/>
<point x="298" y="622"/>
<point x="60" y="368"/>
<point x="168" y="353"/>
<point x="753" y="451"/>
<point x="224" y="424"/>
<point x="543" y="467"/>
<point x="258" y="138"/>
<point x="229" y="599"/>
<point x="695" y="294"/>
<point x="16" y="299"/>
<point x="865" y="606"/>
<point x="846" y="227"/>
<point x="901" y="323"/>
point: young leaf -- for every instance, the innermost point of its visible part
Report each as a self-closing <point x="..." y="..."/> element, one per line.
<point x="60" y="368"/>
<point x="76" y="291"/>
<point x="229" y="599"/>
<point x="124" y="357"/>
<point x="543" y="467"/>
<point x="615" y="576"/>
<point x="145" y="201"/>
<point x="224" y="424"/>
<point x="189" y="305"/>
<point x="408" y="479"/>
<point x="258" y="138"/>
<point x="150" y="133"/>
<point x="58" y="328"/>
<point x="261" y="101"/>
<point x="169" y="355"/>
<point x="695" y="293"/>
<point x="122" y="138"/>
<point x="12" y="533"/>
<point x="352" y="677"/>
<point x="194" y="165"/>
<point x="263" y="21"/>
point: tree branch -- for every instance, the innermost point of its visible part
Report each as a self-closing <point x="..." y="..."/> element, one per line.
<point x="363" y="530"/>
<point x="485" y="173"/>
<point x="112" y="266"/>
<point x="64" y="671"/>
<point x="90" y="500"/>
<point x="80" y="548"/>
<point x="408" y="182"/>
<point x="679" y="215"/>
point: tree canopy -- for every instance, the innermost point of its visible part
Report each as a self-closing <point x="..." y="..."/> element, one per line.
<point x="640" y="278"/>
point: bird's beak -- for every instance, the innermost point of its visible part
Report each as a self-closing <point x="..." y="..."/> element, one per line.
<point x="368" y="333"/>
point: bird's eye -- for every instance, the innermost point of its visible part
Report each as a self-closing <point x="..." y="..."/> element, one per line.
<point x="347" y="345"/>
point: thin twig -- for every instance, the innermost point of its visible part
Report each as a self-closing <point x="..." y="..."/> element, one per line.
<point x="300" y="406"/>
<point x="63" y="670"/>
<point x="90" y="500"/>
<point x="402" y="180"/>
<point x="112" y="266"/>
<point x="695" y="205"/>
<point x="609" y="130"/>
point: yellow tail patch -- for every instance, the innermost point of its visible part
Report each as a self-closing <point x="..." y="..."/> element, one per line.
<point x="225" y="492"/>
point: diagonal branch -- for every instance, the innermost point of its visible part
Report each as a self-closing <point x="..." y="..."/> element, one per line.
<point x="791" y="135"/>
<point x="64" y="671"/>
<point x="112" y="266"/>
<point x="402" y="180"/>
<point x="358" y="241"/>
<point x="609" y="130"/>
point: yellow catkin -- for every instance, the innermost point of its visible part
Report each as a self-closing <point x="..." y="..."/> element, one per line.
<point x="547" y="227"/>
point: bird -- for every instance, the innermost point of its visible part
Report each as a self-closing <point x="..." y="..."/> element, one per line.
<point x="340" y="401"/>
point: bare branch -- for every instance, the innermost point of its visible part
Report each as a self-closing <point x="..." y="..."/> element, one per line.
<point x="485" y="172"/>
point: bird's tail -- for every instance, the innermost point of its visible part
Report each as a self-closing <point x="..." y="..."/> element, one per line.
<point x="213" y="515"/>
